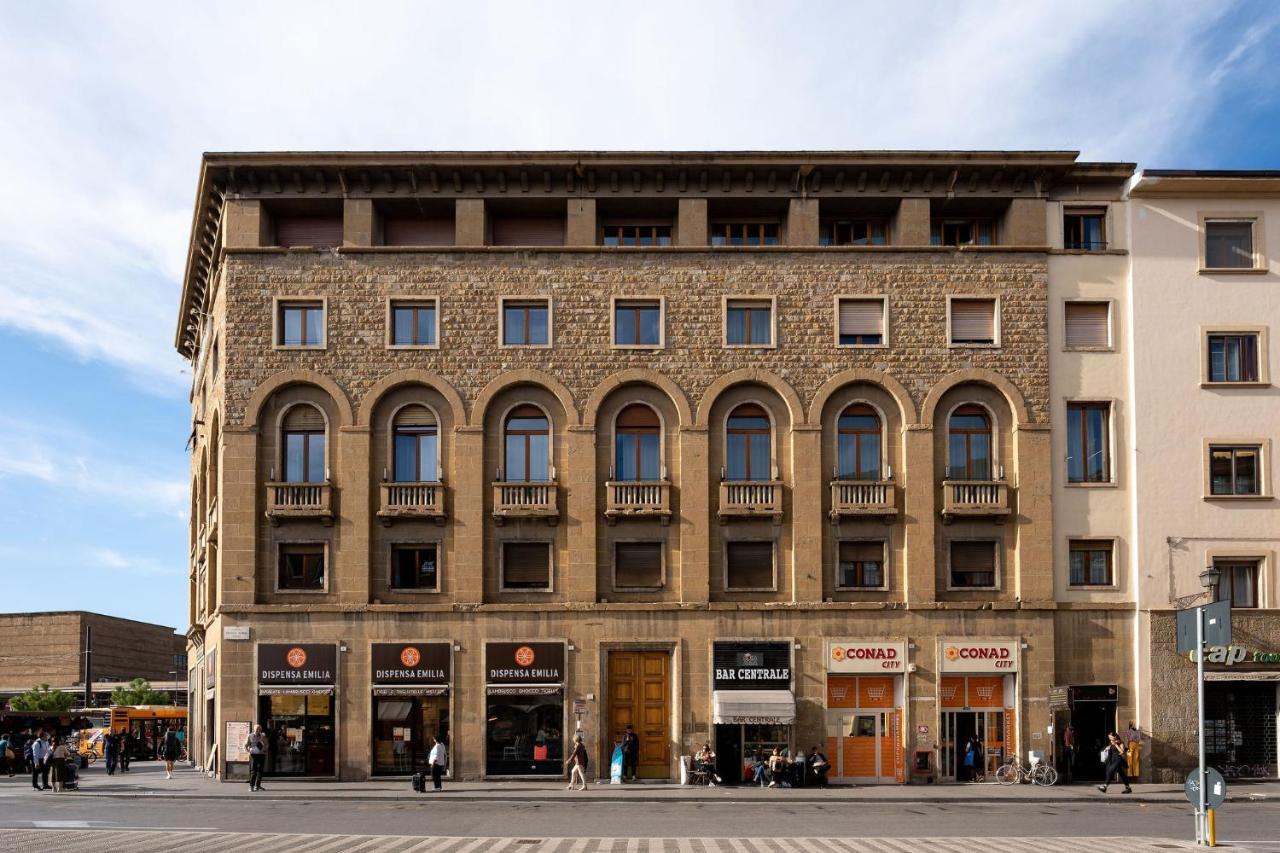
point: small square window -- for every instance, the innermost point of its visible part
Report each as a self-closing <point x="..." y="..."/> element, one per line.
<point x="1091" y="562"/>
<point x="637" y="323"/>
<point x="860" y="322"/>
<point x="414" y="324"/>
<point x="749" y="565"/>
<point x="1084" y="230"/>
<point x="526" y="566"/>
<point x="1235" y="470"/>
<point x="1233" y="357"/>
<point x="415" y="567"/>
<point x="860" y="565"/>
<point x="1238" y="582"/>
<point x="1228" y="244"/>
<point x="749" y="322"/>
<point x="1088" y="325"/>
<point x="973" y="564"/>
<point x="300" y="324"/>
<point x="526" y="322"/>
<point x="973" y="322"/>
<point x="301" y="568"/>
<point x="637" y="565"/>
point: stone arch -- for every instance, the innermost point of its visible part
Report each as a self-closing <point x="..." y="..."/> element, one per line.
<point x="637" y="376"/>
<point x="285" y="378"/>
<point x="891" y="386"/>
<point x="525" y="376"/>
<point x="980" y="376"/>
<point x="410" y="376"/>
<point x="746" y="375"/>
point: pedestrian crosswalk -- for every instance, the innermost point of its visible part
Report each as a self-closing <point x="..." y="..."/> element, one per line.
<point x="164" y="841"/>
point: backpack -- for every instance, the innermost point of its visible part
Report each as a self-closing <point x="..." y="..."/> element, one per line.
<point x="27" y="753"/>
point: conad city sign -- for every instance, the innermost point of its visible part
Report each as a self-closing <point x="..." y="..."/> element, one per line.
<point x="977" y="656"/>
<point x="866" y="656"/>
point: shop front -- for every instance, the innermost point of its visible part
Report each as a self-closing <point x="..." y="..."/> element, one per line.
<point x="1083" y="714"/>
<point x="864" y="710"/>
<point x="296" y="683"/>
<point x="524" y="709"/>
<point x="1241" y="710"/>
<point x="210" y="703"/>
<point x="753" y="706"/>
<point x="410" y="704"/>
<point x="977" y="697"/>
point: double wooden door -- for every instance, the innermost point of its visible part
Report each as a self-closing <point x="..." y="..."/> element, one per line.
<point x="640" y="697"/>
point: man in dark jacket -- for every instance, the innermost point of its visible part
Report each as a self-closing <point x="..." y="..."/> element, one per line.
<point x="630" y="754"/>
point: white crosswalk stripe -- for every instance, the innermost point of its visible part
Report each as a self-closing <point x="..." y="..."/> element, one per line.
<point x="161" y="841"/>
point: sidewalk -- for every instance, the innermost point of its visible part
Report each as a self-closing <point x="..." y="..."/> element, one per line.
<point x="147" y="780"/>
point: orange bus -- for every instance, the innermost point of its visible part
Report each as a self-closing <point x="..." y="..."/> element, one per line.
<point x="146" y="726"/>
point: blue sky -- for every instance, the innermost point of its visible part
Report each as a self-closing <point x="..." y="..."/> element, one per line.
<point x="106" y="107"/>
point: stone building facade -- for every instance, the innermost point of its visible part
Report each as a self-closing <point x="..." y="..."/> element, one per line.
<point x="878" y="579"/>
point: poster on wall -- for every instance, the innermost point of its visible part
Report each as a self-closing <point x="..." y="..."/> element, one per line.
<point x="237" y="734"/>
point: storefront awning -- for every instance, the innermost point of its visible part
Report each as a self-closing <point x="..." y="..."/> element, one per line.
<point x="753" y="706"/>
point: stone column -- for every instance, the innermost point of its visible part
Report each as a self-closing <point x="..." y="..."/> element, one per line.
<point x="359" y="222"/>
<point x="919" y="515"/>
<point x="1034" y="516"/>
<point x="351" y="478"/>
<point x="697" y="514"/>
<point x="691" y="222"/>
<point x="467" y="515"/>
<point x="802" y="222"/>
<point x="579" y="505"/>
<point x="911" y="224"/>
<point x="805" y="513"/>
<point x="469" y="222"/>
<point x="580" y="229"/>
<point x="245" y="224"/>
<point x="241" y="515"/>
<point x="1025" y="223"/>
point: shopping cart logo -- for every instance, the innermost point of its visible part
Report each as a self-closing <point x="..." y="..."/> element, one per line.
<point x="839" y="692"/>
<point x="875" y="694"/>
<point x="948" y="692"/>
<point x="984" y="693"/>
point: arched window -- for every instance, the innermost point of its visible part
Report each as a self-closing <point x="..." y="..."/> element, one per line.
<point x="637" y="443"/>
<point x="858" y="443"/>
<point x="416" y="445"/>
<point x="303" y="445"/>
<point x="528" y="445"/>
<point x="747" y="444"/>
<point x="969" y="444"/>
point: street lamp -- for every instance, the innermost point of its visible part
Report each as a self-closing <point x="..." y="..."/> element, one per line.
<point x="1210" y="576"/>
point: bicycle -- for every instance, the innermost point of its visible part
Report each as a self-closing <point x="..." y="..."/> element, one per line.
<point x="1014" y="773"/>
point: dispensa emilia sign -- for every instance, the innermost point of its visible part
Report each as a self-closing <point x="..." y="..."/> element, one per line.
<point x="296" y="663"/>
<point x="524" y="663"/>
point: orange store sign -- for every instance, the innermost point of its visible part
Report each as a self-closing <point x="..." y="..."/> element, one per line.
<point x="866" y="656"/>
<point x="978" y="656"/>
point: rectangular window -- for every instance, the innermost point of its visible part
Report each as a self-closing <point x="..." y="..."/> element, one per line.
<point x="527" y="230"/>
<point x="861" y="322"/>
<point x="744" y="233"/>
<point x="526" y="323"/>
<point x="1091" y="562"/>
<point x="1084" y="229"/>
<point x="323" y="231"/>
<point x="301" y="568"/>
<point x="963" y="232"/>
<point x="749" y="322"/>
<point x="1228" y="244"/>
<point x="748" y="565"/>
<point x="1088" y="325"/>
<point x="973" y="322"/>
<point x="1233" y="357"/>
<point x="300" y="324"/>
<point x="637" y="323"/>
<point x="1235" y="470"/>
<point x="855" y="232"/>
<point x="413" y="324"/>
<point x="643" y="234"/>
<point x="526" y="566"/>
<point x="973" y="564"/>
<point x="1088" y="442"/>
<point x="860" y="565"/>
<point x="637" y="565"/>
<point x="1238" y="582"/>
<point x="415" y="567"/>
<point x="215" y="359"/>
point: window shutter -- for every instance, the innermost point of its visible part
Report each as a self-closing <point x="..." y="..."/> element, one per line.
<point x="315" y="231"/>
<point x="526" y="564"/>
<point x="638" y="564"/>
<point x="862" y="552"/>
<point x="750" y="565"/>
<point x="1087" y="324"/>
<point x="414" y="231"/>
<point x="304" y="418"/>
<point x="528" y="231"/>
<point x="973" y="320"/>
<point x="861" y="317"/>
<point x="415" y="416"/>
<point x="973" y="557"/>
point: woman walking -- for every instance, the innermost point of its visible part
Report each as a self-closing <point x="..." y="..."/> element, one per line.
<point x="577" y="764"/>
<point x="170" y="750"/>
<point x="58" y="764"/>
<point x="1114" y="761"/>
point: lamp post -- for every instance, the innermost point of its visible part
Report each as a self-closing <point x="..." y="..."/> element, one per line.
<point x="1209" y="579"/>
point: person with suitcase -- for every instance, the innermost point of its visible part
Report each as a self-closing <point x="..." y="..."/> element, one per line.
<point x="437" y="759"/>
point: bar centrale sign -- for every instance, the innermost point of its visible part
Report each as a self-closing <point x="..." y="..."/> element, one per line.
<point x="968" y="655"/>
<point x="866" y="656"/>
<point x="297" y="663"/>
<point x="524" y="663"/>
<point x="410" y="663"/>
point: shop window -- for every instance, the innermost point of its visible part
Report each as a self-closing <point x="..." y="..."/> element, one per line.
<point x="637" y="565"/>
<point x="402" y="727"/>
<point x="1091" y="562"/>
<point x="637" y="323"/>
<point x="300" y="324"/>
<point x="415" y="567"/>
<point x="860" y="564"/>
<point x="1238" y="582"/>
<point x="527" y="443"/>
<point x="1088" y="325"/>
<point x="973" y="564"/>
<point x="1084" y="229"/>
<point x="1088" y="442"/>
<point x="853" y="232"/>
<point x="1229" y="244"/>
<point x="1233" y="357"/>
<point x="748" y="444"/>
<point x="973" y="322"/>
<point x="523" y="732"/>
<point x="416" y="445"/>
<point x="969" y="444"/>
<point x="637" y="444"/>
<point x="299" y="733"/>
<point x="413" y="323"/>
<point x="526" y="322"/>
<point x="526" y="566"/>
<point x="860" y="322"/>
<point x="759" y="233"/>
<point x="858" y="442"/>
<point x="963" y="232"/>
<point x="749" y="565"/>
<point x="748" y="323"/>
<point x="303" y="445"/>
<point x="302" y="568"/>
<point x="1234" y="470"/>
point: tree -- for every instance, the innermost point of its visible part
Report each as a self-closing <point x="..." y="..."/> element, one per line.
<point x="139" y="692"/>
<point x="42" y="698"/>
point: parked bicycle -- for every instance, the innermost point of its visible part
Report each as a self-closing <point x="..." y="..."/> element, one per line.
<point x="1014" y="773"/>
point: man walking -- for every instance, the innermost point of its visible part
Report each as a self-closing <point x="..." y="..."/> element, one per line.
<point x="124" y="751"/>
<point x="5" y="767"/>
<point x="110" y="752"/>
<point x="256" y="745"/>
<point x="630" y="754"/>
<point x="438" y="759"/>
<point x="40" y="750"/>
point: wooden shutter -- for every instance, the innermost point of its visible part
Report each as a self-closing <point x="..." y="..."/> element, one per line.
<point x="526" y="564"/>
<point x="973" y="557"/>
<point x="528" y="230"/>
<point x="316" y="231"/>
<point x="862" y="317"/>
<point x="862" y="552"/>
<point x="1087" y="324"/>
<point x="304" y="419"/>
<point x="750" y="565"/>
<point x="973" y="320"/>
<point x="637" y="564"/>
<point x="415" y="416"/>
<point x="417" y="231"/>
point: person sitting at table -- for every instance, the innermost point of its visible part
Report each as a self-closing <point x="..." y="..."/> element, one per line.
<point x="819" y="765"/>
<point x="705" y="761"/>
<point x="778" y="769"/>
<point x="759" y="768"/>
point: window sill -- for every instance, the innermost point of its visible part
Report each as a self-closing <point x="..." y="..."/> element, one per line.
<point x="628" y="590"/>
<point x="301" y="592"/>
<point x="973" y="589"/>
<point x="1259" y="384"/>
<point x="954" y="345"/>
<point x="862" y="589"/>
<point x="412" y="591"/>
<point x="1238" y="497"/>
<point x="862" y="346"/>
<point x="1234" y="271"/>
<point x="300" y="348"/>
<point x="413" y="346"/>
<point x="1092" y="587"/>
<point x="524" y="346"/>
<point x="1110" y="484"/>
<point x="1112" y="252"/>
<point x="737" y="589"/>
<point x="1088" y="349"/>
<point x="539" y="591"/>
<point x="639" y="347"/>
<point x="751" y="346"/>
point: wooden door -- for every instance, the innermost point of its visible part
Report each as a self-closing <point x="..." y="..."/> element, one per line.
<point x="640" y="696"/>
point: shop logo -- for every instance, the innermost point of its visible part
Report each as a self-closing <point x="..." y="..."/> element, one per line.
<point x="952" y="653"/>
<point x="524" y="656"/>
<point x="837" y="654"/>
<point x="410" y="657"/>
<point x="296" y="658"/>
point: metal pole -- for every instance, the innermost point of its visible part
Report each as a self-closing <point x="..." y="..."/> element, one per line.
<point x="88" y="666"/>
<point x="1201" y="836"/>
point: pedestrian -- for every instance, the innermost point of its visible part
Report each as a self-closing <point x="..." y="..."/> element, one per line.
<point x="40" y="762"/>
<point x="110" y="752"/>
<point x="126" y="743"/>
<point x="170" y="749"/>
<point x="577" y="762"/>
<point x="437" y="758"/>
<point x="256" y="745"/>
<point x="819" y="765"/>
<point x="1069" y="751"/>
<point x="19" y="743"/>
<point x="630" y="754"/>
<point x="1114" y="762"/>
<point x="57" y="761"/>
<point x="1133" y="742"/>
<point x="777" y="769"/>
<point x="973" y="759"/>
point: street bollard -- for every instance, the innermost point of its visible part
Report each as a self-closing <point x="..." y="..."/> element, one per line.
<point x="1211" y="832"/>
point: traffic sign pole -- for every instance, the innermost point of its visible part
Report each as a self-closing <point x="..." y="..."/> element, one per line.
<point x="1201" y="835"/>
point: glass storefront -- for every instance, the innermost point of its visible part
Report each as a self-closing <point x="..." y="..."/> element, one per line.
<point x="300" y="734"/>
<point x="524" y="732"/>
<point x="402" y="726"/>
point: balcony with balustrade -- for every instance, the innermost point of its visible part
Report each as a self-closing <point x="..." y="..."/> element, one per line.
<point x="970" y="498"/>
<point x="286" y="501"/>
<point x="637" y="499"/>
<point x="412" y="500"/>
<point x="746" y="499"/>
<point x="863" y="499"/>
<point x="520" y="499"/>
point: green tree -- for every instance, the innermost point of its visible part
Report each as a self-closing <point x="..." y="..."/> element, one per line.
<point x="139" y="692"/>
<point x="42" y="698"/>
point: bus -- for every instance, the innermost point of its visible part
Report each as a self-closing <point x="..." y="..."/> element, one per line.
<point x="146" y="726"/>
